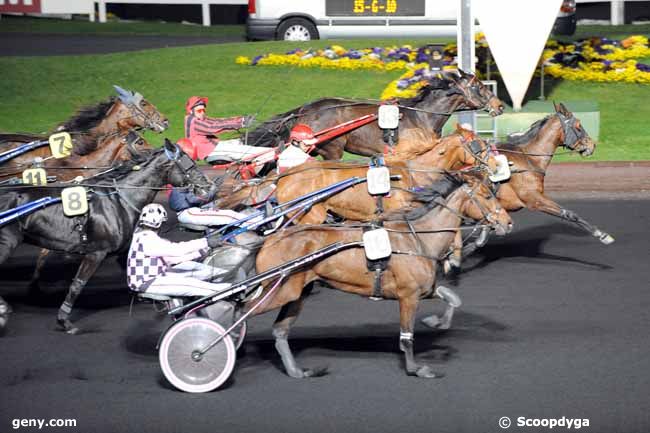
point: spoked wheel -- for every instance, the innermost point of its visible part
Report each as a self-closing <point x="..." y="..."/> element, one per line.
<point x="181" y="362"/>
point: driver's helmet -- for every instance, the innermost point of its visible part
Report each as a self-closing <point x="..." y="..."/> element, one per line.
<point x="153" y="215"/>
<point x="193" y="101"/>
<point x="301" y="132"/>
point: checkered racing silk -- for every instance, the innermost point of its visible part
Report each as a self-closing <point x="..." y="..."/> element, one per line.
<point x="140" y="268"/>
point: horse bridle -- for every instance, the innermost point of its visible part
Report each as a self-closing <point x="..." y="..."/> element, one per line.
<point x="487" y="214"/>
<point x="476" y="148"/>
<point x="133" y="104"/>
<point x="184" y="163"/>
<point x="572" y="134"/>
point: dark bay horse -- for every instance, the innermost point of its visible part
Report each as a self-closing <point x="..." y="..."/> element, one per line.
<point x="107" y="227"/>
<point x="428" y="111"/>
<point x="530" y="155"/>
<point x="418" y="244"/>
<point x="90" y="128"/>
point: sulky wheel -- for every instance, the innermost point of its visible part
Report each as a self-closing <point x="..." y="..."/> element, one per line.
<point x="180" y="363"/>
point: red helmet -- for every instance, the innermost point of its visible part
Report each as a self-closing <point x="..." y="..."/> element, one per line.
<point x="301" y="132"/>
<point x="193" y="101"/>
<point x="188" y="147"/>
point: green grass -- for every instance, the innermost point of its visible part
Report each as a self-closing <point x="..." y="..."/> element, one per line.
<point x="39" y="92"/>
<point x="11" y="24"/>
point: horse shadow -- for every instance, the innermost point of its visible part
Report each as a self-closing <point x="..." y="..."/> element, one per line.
<point x="527" y="244"/>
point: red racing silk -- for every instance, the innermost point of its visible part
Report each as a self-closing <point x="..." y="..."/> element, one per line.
<point x="203" y="133"/>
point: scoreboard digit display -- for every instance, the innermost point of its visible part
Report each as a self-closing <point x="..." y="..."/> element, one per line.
<point x="373" y="8"/>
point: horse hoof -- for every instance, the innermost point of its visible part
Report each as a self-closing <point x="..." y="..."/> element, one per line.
<point x="606" y="239"/>
<point x="315" y="372"/>
<point x="67" y="326"/>
<point x="307" y="372"/>
<point x="425" y="372"/>
<point x="432" y="321"/>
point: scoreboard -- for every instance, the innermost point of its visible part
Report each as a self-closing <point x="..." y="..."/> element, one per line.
<point x="374" y="8"/>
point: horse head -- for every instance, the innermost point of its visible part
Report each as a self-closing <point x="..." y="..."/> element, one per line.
<point x="135" y="112"/>
<point x="476" y="94"/>
<point x="131" y="146"/>
<point x="574" y="135"/>
<point x="482" y="204"/>
<point x="183" y="171"/>
<point x="466" y="148"/>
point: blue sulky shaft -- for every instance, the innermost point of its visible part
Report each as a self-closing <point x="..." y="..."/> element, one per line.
<point x="299" y="203"/>
<point x="10" y="215"/>
<point x="344" y="183"/>
<point x="24" y="148"/>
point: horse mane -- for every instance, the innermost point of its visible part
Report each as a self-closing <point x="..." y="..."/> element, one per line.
<point x="88" y="117"/>
<point x="85" y="119"/>
<point x="20" y="137"/>
<point x="428" y="196"/>
<point x="432" y="85"/>
<point x="519" y="139"/>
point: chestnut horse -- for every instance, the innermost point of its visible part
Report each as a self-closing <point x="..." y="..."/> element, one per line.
<point x="530" y="155"/>
<point x="90" y="128"/>
<point x="428" y="111"/>
<point x="463" y="148"/>
<point x="419" y="238"/>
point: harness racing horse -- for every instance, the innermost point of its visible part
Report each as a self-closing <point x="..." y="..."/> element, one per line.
<point x="428" y="111"/>
<point x="91" y="128"/>
<point x="418" y="239"/>
<point x="530" y="155"/>
<point x="119" y="148"/>
<point x="113" y="211"/>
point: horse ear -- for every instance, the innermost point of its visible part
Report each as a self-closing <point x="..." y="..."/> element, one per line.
<point x="563" y="108"/>
<point x="557" y="109"/>
<point x="124" y="95"/>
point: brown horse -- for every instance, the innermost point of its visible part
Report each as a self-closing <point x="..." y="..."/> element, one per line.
<point x="530" y="155"/>
<point x="428" y="111"/>
<point x="419" y="238"/>
<point x="463" y="148"/>
<point x="110" y="149"/>
<point x="90" y="128"/>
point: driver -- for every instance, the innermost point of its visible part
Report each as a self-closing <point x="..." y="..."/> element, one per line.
<point x="203" y="130"/>
<point x="162" y="267"/>
<point x="301" y="142"/>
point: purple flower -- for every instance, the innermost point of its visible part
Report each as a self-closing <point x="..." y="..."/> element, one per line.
<point x="256" y="59"/>
<point x="643" y="67"/>
<point x="403" y="84"/>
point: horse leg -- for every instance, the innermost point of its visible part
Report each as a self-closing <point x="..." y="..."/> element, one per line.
<point x="5" y="310"/>
<point x="88" y="266"/>
<point x="452" y="300"/>
<point x="456" y="256"/>
<point x="544" y="204"/>
<point x="407" y="309"/>
<point x="40" y="262"/>
<point x="286" y="318"/>
<point x="10" y="237"/>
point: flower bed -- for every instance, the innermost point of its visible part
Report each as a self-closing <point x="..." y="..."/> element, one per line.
<point x="593" y="59"/>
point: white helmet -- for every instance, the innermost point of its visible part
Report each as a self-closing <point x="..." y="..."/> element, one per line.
<point x="153" y="215"/>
